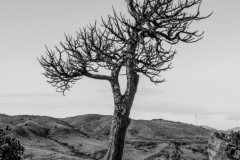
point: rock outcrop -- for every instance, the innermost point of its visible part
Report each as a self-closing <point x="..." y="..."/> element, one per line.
<point x="223" y="146"/>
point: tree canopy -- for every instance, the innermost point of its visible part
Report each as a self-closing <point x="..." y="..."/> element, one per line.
<point x="140" y="45"/>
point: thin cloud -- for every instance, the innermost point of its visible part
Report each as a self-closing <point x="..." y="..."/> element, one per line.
<point x="175" y="108"/>
<point x="50" y="100"/>
<point x="104" y="90"/>
<point x="47" y="101"/>
<point x="143" y="92"/>
<point x="203" y="117"/>
<point x="233" y="117"/>
<point x="30" y="95"/>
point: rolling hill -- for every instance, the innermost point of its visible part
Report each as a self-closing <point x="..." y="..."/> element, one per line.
<point x="235" y="129"/>
<point x="208" y="128"/>
<point x="86" y="137"/>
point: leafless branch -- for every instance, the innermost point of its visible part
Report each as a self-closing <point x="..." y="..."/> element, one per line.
<point x="139" y="45"/>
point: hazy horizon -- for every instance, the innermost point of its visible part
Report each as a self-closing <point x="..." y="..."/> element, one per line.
<point x="204" y="79"/>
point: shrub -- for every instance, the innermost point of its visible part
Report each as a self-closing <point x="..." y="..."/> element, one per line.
<point x="10" y="148"/>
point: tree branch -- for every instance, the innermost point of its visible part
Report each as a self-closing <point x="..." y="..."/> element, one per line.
<point x="97" y="76"/>
<point x="139" y="46"/>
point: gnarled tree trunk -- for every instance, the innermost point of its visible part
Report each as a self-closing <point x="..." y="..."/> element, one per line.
<point x="121" y="120"/>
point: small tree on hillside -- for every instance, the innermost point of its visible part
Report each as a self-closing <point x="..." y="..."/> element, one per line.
<point x="10" y="148"/>
<point x="141" y="46"/>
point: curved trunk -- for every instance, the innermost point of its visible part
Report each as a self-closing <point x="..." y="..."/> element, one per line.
<point x="119" y="127"/>
<point x="121" y="120"/>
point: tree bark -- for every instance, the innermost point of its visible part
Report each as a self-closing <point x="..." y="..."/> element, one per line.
<point x="121" y="120"/>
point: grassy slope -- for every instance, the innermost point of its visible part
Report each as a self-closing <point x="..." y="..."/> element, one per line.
<point x="85" y="137"/>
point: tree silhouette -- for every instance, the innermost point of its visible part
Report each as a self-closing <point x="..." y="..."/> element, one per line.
<point x="142" y="46"/>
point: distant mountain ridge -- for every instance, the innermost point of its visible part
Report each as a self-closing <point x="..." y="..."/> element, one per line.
<point x="235" y="129"/>
<point x="208" y="128"/>
<point x="86" y="136"/>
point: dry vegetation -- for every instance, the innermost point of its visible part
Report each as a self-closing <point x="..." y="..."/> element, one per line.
<point x="85" y="137"/>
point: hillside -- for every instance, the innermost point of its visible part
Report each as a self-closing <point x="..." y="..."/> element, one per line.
<point x="208" y="128"/>
<point x="85" y="137"/>
<point x="235" y="129"/>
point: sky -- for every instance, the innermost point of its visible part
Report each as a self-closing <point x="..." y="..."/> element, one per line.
<point x="202" y="88"/>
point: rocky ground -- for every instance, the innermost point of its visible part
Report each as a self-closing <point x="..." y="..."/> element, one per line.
<point x="85" y="138"/>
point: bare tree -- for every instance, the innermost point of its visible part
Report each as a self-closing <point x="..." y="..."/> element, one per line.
<point x="141" y="46"/>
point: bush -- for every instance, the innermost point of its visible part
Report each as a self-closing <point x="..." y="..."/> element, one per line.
<point x="10" y="148"/>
